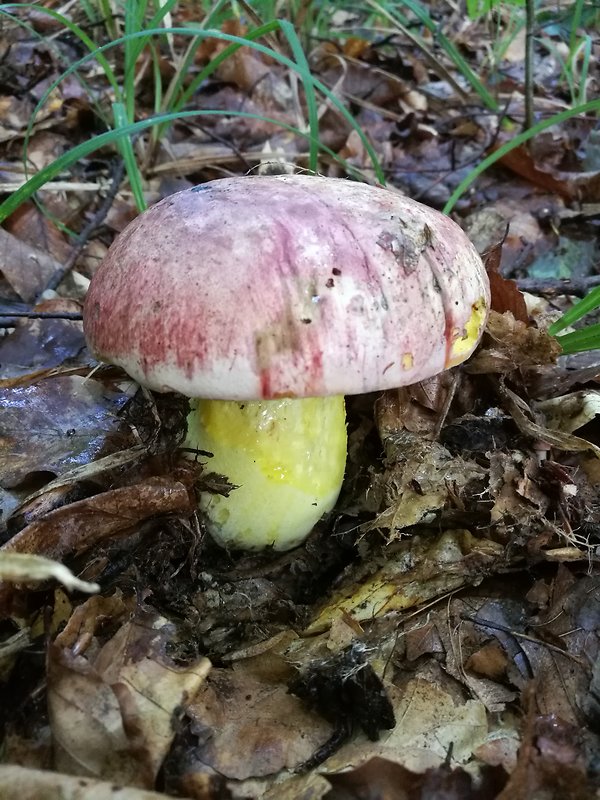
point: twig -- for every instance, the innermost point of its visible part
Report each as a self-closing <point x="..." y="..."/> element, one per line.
<point x="497" y="626"/>
<point x="529" y="25"/>
<point x="82" y="238"/>
<point x="571" y="286"/>
<point x="7" y="320"/>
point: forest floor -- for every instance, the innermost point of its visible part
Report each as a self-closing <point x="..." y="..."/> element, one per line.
<point x="438" y="634"/>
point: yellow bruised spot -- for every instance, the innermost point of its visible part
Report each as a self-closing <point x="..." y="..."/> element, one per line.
<point x="407" y="361"/>
<point x="287" y="459"/>
<point x="465" y="339"/>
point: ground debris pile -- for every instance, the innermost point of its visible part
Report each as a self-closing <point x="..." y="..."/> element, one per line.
<point x="437" y="635"/>
<point x="452" y="591"/>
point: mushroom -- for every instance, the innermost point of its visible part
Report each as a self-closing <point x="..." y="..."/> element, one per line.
<point x="266" y="300"/>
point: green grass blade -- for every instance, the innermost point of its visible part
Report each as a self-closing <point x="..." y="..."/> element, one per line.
<point x="588" y="303"/>
<point x="71" y="26"/>
<point x="575" y="23"/>
<point x="236" y="42"/>
<point x="517" y="141"/>
<point x="131" y="164"/>
<point x="66" y="160"/>
<point x="585" y="67"/>
<point x="453" y="53"/>
<point x="133" y="46"/>
<point x="580" y="341"/>
<point x="309" y="92"/>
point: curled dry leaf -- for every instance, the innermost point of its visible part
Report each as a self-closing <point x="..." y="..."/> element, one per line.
<point x="525" y="421"/>
<point x="571" y="411"/>
<point x="112" y="704"/>
<point x="505" y="294"/>
<point x="26" y="568"/>
<point x="77" y="527"/>
<point x="57" y="492"/>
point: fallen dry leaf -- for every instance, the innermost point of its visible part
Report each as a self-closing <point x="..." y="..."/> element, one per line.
<point x="550" y="761"/>
<point x="112" y="705"/>
<point x="34" y="784"/>
<point x="415" y="570"/>
<point x="26" y="269"/>
<point x="247" y="727"/>
<point x="431" y="723"/>
<point x="520" y="161"/>
<point x="37" y="344"/>
<point x="75" y="528"/>
<point x="26" y="568"/>
<point x="36" y="229"/>
<point x="380" y="778"/>
<point x="505" y="294"/>
<point x="54" y="425"/>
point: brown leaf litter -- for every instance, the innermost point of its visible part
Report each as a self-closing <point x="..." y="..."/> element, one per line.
<point x="454" y="590"/>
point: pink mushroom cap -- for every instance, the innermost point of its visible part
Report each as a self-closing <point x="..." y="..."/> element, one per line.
<point x="286" y="286"/>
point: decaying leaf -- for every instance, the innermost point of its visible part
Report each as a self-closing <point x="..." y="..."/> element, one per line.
<point x="33" y="784"/>
<point x="26" y="568"/>
<point x="77" y="527"/>
<point x="54" y="425"/>
<point x="422" y="478"/>
<point x="249" y="727"/>
<point x="26" y="268"/>
<point x="112" y="703"/>
<point x="415" y="571"/>
<point x="346" y="690"/>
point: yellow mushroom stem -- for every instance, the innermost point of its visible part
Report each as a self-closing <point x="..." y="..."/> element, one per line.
<point x="286" y="457"/>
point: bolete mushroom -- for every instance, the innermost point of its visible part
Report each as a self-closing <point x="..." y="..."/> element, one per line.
<point x="266" y="300"/>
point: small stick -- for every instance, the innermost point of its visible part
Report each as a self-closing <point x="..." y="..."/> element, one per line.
<point x="82" y="238"/>
<point x="7" y="320"/>
<point x="74" y="315"/>
<point x="571" y="286"/>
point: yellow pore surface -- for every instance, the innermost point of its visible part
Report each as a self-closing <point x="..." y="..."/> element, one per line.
<point x="287" y="458"/>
